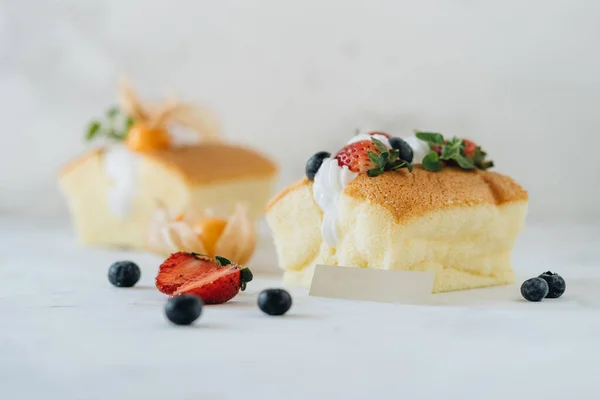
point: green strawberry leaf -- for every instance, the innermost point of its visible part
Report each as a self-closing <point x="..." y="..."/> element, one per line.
<point x="430" y="137"/>
<point x="384" y="159"/>
<point x="374" y="172"/>
<point x="431" y="162"/>
<point x="222" y="261"/>
<point x="382" y="147"/>
<point x="375" y="159"/>
<point x="394" y="155"/>
<point x="387" y="160"/>
<point x="245" y="277"/>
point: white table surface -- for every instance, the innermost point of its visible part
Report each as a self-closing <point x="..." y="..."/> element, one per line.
<point x="66" y="333"/>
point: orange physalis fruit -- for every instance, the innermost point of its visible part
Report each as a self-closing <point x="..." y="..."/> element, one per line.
<point x="141" y="137"/>
<point x="210" y="231"/>
<point x="232" y="237"/>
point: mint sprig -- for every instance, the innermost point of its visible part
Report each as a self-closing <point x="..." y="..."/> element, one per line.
<point x="430" y="137"/>
<point x="431" y="162"/>
<point x="386" y="160"/>
<point x="452" y="151"/>
<point x="479" y="159"/>
<point x="115" y="126"/>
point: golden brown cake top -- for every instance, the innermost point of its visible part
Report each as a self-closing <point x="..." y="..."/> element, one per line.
<point x="407" y="194"/>
<point x="205" y="163"/>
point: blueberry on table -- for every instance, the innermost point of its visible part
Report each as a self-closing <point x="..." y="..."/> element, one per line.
<point x="274" y="301"/>
<point x="183" y="309"/>
<point x="314" y="163"/>
<point x="534" y="289"/>
<point x="124" y="274"/>
<point x="556" y="284"/>
<point x="406" y="152"/>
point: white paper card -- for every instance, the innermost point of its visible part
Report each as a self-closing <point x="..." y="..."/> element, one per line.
<point x="388" y="286"/>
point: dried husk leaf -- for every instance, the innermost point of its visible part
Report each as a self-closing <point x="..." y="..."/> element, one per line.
<point x="130" y="102"/>
<point x="167" y="235"/>
<point x="238" y="240"/>
<point x="198" y="119"/>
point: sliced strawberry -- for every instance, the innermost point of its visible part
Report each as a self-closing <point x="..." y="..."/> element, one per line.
<point x="218" y="286"/>
<point x="181" y="267"/>
<point x="355" y="156"/>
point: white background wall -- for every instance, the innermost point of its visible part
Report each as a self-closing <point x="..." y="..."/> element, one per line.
<point x="293" y="77"/>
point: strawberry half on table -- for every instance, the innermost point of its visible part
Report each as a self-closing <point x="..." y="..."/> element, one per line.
<point x="215" y="280"/>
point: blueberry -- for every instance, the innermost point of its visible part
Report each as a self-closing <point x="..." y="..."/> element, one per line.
<point x="124" y="274"/>
<point x="314" y="163"/>
<point x="274" y="301"/>
<point x="534" y="289"/>
<point x="406" y="152"/>
<point x="183" y="309"/>
<point x="556" y="284"/>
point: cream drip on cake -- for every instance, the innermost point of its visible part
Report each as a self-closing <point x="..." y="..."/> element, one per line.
<point x="419" y="148"/>
<point x="331" y="180"/>
<point x="121" y="166"/>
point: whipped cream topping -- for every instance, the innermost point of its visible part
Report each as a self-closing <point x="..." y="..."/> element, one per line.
<point x="365" y="136"/>
<point x="419" y="148"/>
<point x="121" y="166"/>
<point x="331" y="180"/>
<point x="329" y="184"/>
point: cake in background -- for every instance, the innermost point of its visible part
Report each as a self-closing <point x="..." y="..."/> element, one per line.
<point x="369" y="206"/>
<point x="114" y="190"/>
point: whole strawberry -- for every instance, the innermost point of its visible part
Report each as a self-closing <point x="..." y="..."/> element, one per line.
<point x="355" y="156"/>
<point x="370" y="156"/>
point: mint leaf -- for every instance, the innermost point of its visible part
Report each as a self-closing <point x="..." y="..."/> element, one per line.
<point x="112" y="112"/>
<point x="113" y="134"/>
<point x="382" y="147"/>
<point x="450" y="152"/>
<point x="128" y="123"/>
<point x="93" y="130"/>
<point x="430" y="137"/>
<point x="479" y="159"/>
<point x="487" y="164"/>
<point x="431" y="162"/>
<point x="464" y="162"/>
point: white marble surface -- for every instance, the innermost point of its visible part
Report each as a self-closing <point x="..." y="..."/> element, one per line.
<point x="66" y="333"/>
<point x="296" y="77"/>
